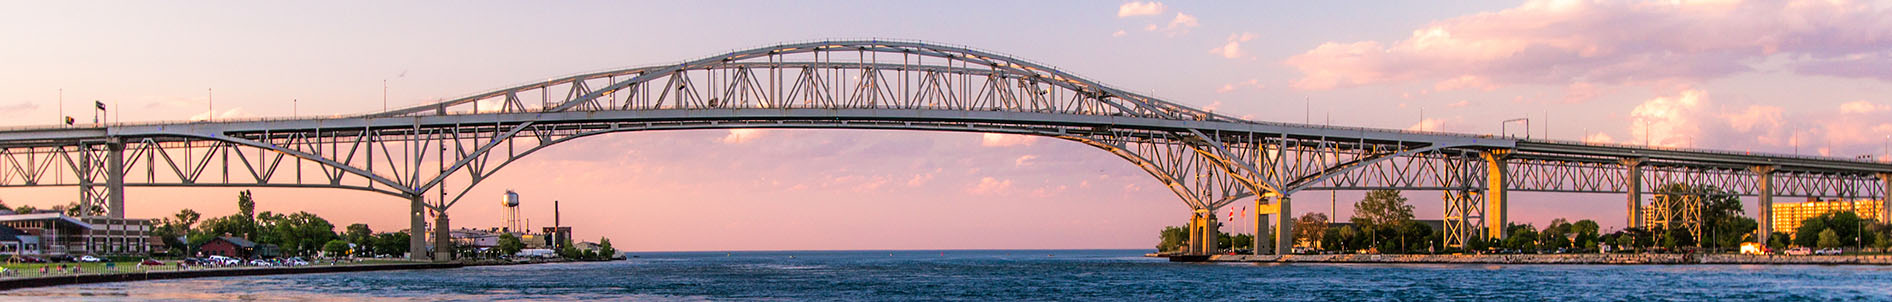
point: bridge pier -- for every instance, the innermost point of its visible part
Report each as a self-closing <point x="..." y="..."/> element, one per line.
<point x="1497" y="201"/>
<point x="417" y="229"/>
<point x="1633" y="184"/>
<point x="1211" y="235"/>
<point x="1284" y="226"/>
<point x="115" y="179"/>
<point x="1261" y="223"/>
<point x="443" y="238"/>
<point x="1885" y="197"/>
<point x="1765" y="201"/>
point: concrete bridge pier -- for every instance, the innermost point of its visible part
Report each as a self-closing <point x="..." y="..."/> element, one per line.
<point x="1283" y="226"/>
<point x="1765" y="199"/>
<point x="417" y="229"/>
<point x="443" y="238"/>
<point x="1633" y="184"/>
<point x="1211" y="233"/>
<point x="1885" y="197"/>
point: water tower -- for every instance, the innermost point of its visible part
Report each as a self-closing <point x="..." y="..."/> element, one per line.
<point x="511" y="202"/>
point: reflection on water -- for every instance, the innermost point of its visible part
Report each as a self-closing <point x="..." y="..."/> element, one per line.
<point x="1006" y="275"/>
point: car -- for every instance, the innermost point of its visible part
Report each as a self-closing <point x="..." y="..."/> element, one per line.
<point x="29" y="259"/>
<point x="1799" y="251"/>
<point x="151" y="262"/>
<point x="261" y="262"/>
<point x="89" y="258"/>
<point x="59" y="258"/>
<point x="1827" y="252"/>
<point x="223" y="260"/>
<point x="295" y="261"/>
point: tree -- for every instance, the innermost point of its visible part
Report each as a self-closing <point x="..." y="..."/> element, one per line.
<point x="510" y="245"/>
<point x="1172" y="238"/>
<point x="301" y="233"/>
<point x="359" y="233"/>
<point x="1241" y="241"/>
<point x="25" y="209"/>
<point x="1381" y="207"/>
<point x="335" y="248"/>
<point x="73" y="209"/>
<point x="1587" y="236"/>
<point x="1829" y="239"/>
<point x="1310" y="228"/>
<point x="605" y="249"/>
<point x="1555" y="235"/>
<point x="246" y="210"/>
<point x="186" y="218"/>
<point x="391" y="244"/>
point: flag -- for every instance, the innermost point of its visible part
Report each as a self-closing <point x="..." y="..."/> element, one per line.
<point x="100" y="104"/>
<point x="69" y="121"/>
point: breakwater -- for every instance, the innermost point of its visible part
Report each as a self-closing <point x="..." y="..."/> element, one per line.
<point x="14" y="283"/>
<point x="1565" y="259"/>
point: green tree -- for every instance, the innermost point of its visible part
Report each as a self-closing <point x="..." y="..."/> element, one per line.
<point x="246" y="211"/>
<point x="1242" y="241"/>
<point x="335" y="248"/>
<point x="25" y="209"/>
<point x="1310" y="227"/>
<point x="605" y="248"/>
<point x="1381" y="207"/>
<point x="1587" y="236"/>
<point x="359" y="234"/>
<point x="1555" y="235"/>
<point x="1173" y="238"/>
<point x="301" y="233"/>
<point x="391" y="244"/>
<point x="1829" y="239"/>
<point x="73" y="209"/>
<point x="510" y="245"/>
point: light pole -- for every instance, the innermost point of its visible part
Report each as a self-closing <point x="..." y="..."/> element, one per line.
<point x="1503" y="127"/>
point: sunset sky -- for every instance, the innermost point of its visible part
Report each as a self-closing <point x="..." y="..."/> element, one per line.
<point x="1811" y="77"/>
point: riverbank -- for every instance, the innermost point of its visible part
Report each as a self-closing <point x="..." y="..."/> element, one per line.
<point x="103" y="277"/>
<point x="1564" y="259"/>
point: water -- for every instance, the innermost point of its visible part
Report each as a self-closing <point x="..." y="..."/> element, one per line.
<point x="1064" y="275"/>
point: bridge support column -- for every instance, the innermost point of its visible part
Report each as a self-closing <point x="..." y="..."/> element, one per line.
<point x="443" y="238"/>
<point x="1284" y="226"/>
<point x="115" y="180"/>
<point x="1194" y="245"/>
<point x="417" y="229"/>
<point x="1765" y="200"/>
<point x="1633" y="184"/>
<point x="1257" y="245"/>
<point x="1211" y="233"/>
<point x="1497" y="201"/>
<point x="1885" y="197"/>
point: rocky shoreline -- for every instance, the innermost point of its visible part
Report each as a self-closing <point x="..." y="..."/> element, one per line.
<point x="17" y="283"/>
<point x="1564" y="259"/>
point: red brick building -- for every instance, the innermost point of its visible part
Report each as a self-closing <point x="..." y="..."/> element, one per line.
<point x="228" y="247"/>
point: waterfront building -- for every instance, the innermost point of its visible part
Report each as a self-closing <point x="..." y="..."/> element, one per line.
<point x="15" y="242"/>
<point x="556" y="237"/>
<point x="117" y="236"/>
<point x="54" y="233"/>
<point x="237" y="247"/>
<point x="476" y="238"/>
<point x="1787" y="216"/>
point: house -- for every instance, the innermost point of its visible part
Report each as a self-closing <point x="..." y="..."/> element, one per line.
<point x="228" y="247"/>
<point x="16" y="242"/>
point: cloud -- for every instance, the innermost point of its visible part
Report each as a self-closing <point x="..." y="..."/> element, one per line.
<point x="1464" y="82"/>
<point x="923" y="178"/>
<point x="1006" y="140"/>
<point x="1671" y="121"/>
<point x="1024" y="161"/>
<point x="989" y="185"/>
<point x="18" y="108"/>
<point x="1439" y="125"/>
<point x="1599" y="138"/>
<point x="738" y="136"/>
<point x="1252" y="83"/>
<point x="1133" y="9"/>
<point x="232" y="112"/>
<point x="1119" y="33"/>
<point x="1855" y="107"/>
<point x="1233" y="49"/>
<point x="1545" y="42"/>
<point x="1180" y="25"/>
<point x="1459" y="104"/>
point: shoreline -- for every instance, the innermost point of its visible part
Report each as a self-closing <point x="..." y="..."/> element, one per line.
<point x="1598" y="259"/>
<point x="48" y="281"/>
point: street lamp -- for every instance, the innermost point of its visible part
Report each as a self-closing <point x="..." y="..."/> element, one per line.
<point x="1503" y="130"/>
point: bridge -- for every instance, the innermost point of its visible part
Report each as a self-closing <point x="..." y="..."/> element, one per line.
<point x="431" y="155"/>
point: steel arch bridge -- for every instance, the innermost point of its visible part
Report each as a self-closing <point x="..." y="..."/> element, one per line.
<point x="433" y="154"/>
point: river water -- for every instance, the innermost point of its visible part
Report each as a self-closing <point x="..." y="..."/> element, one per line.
<point x="1058" y="275"/>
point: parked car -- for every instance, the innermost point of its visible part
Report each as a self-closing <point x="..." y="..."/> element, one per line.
<point x="1799" y="251"/>
<point x="89" y="258"/>
<point x="59" y="258"/>
<point x="1827" y="252"/>
<point x="151" y="262"/>
<point x="261" y="262"/>
<point x="295" y="261"/>
<point x="29" y="259"/>
<point x="223" y="260"/>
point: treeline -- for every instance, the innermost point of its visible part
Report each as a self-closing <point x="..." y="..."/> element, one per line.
<point x="294" y="234"/>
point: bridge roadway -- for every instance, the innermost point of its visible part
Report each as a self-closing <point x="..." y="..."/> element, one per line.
<point x="432" y="154"/>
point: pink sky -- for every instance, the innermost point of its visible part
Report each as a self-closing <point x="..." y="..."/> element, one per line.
<point x="1765" y="76"/>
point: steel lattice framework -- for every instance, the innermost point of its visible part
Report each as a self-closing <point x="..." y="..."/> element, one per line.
<point x="433" y="154"/>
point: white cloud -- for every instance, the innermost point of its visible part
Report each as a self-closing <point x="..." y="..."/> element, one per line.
<point x="1599" y="138"/>
<point x="989" y="185"/>
<point x="1119" y="33"/>
<point x="923" y="178"/>
<point x="1555" y="42"/>
<point x="1862" y="107"/>
<point x="1006" y="140"/>
<point x="1181" y="24"/>
<point x="738" y="136"/>
<point x="231" y="113"/>
<point x="1233" y="48"/>
<point x="1230" y="87"/>
<point x="1024" y="160"/>
<point x="1672" y="121"/>
<point x="1133" y="9"/>
<point x="1459" y="104"/>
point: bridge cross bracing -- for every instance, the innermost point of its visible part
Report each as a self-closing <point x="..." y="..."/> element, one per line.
<point x="433" y="154"/>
